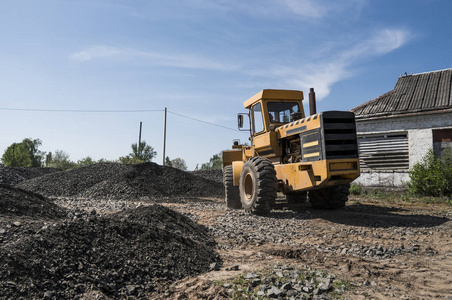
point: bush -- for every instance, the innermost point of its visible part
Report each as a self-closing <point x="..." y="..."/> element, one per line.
<point x="356" y="189"/>
<point x="432" y="176"/>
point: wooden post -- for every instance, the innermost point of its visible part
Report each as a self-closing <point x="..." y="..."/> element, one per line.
<point x="164" y="138"/>
<point x="139" y="142"/>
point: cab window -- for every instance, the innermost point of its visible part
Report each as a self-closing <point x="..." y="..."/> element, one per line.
<point x="258" y="118"/>
<point x="279" y="112"/>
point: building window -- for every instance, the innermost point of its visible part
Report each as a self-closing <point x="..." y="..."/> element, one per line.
<point x="384" y="152"/>
<point x="442" y="138"/>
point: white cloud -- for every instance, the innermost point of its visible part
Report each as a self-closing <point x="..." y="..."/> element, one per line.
<point x="380" y="43"/>
<point x="116" y="54"/>
<point x="324" y="8"/>
<point x="330" y="69"/>
<point x="322" y="72"/>
<point x="308" y="9"/>
<point x="96" y="52"/>
<point x="305" y="8"/>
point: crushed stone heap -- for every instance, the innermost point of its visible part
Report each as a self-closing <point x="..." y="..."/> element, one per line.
<point x="121" y="255"/>
<point x="14" y="175"/>
<point x="117" y="181"/>
<point x="215" y="175"/>
<point x="19" y="202"/>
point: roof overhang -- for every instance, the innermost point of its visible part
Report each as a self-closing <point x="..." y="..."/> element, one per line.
<point x="363" y="118"/>
<point x="274" y="95"/>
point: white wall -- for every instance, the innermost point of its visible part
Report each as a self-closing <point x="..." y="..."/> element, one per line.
<point x="420" y="139"/>
<point x="383" y="179"/>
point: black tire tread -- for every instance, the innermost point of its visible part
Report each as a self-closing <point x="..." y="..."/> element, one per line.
<point x="330" y="198"/>
<point x="266" y="185"/>
<point x="231" y="192"/>
<point x="296" y="201"/>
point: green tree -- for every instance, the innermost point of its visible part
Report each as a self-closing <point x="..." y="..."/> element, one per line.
<point x="24" y="154"/>
<point x="215" y="163"/>
<point x="104" y="161"/>
<point x="60" y="160"/>
<point x="36" y="156"/>
<point x="127" y="160"/>
<point x="16" y="155"/>
<point x="168" y="162"/>
<point x="144" y="153"/>
<point x="179" y="163"/>
<point x="86" y="161"/>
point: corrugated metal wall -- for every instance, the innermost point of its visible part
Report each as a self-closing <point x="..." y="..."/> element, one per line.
<point x="384" y="152"/>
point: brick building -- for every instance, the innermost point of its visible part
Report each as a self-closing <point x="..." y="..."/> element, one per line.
<point x="395" y="130"/>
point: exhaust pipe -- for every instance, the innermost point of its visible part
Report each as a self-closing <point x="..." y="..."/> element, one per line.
<point x="312" y="108"/>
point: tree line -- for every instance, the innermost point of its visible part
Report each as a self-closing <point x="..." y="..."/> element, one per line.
<point x="27" y="154"/>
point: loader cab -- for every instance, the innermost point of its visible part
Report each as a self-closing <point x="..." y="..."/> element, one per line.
<point x="270" y="109"/>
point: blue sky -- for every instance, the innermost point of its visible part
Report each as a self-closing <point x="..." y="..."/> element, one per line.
<point x="200" y="59"/>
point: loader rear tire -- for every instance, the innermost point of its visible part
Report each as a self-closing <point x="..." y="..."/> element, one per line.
<point x="296" y="201"/>
<point x="258" y="186"/>
<point x="231" y="192"/>
<point x="330" y="198"/>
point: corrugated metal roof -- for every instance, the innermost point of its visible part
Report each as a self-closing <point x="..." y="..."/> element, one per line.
<point x="412" y="93"/>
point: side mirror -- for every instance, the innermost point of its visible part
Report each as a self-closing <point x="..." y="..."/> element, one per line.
<point x="240" y="121"/>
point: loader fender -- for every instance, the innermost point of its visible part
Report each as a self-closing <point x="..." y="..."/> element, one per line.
<point x="237" y="167"/>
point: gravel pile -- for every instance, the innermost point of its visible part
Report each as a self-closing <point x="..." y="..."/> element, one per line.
<point x="19" y="202"/>
<point x="74" y="181"/>
<point x="122" y="255"/>
<point x="123" y="182"/>
<point x="14" y="175"/>
<point x="150" y="180"/>
<point x="286" y="282"/>
<point x="214" y="175"/>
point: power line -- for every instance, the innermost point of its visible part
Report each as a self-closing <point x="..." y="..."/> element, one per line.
<point x="81" y="110"/>
<point x="112" y="111"/>
<point x="198" y="120"/>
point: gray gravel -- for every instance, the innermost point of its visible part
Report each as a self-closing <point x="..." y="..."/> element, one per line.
<point x="286" y="282"/>
<point x="15" y="175"/>
<point x="123" y="182"/>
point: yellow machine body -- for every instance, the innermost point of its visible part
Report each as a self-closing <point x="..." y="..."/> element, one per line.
<point x="307" y="152"/>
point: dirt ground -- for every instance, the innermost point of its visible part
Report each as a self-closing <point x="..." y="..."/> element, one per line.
<point x="376" y="247"/>
<point x="415" y="239"/>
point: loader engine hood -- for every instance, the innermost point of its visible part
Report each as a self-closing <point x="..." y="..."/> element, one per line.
<point x="326" y="135"/>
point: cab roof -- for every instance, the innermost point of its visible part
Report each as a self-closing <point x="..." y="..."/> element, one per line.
<point x="274" y="95"/>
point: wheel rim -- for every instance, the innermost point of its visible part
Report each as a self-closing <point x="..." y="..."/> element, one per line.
<point x="248" y="187"/>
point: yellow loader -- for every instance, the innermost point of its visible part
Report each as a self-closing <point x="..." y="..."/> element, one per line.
<point x="291" y="154"/>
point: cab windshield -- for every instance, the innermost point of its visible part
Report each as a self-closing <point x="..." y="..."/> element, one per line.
<point x="279" y="112"/>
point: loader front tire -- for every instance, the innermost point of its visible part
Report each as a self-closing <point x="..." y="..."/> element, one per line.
<point x="258" y="186"/>
<point x="330" y="198"/>
<point x="231" y="192"/>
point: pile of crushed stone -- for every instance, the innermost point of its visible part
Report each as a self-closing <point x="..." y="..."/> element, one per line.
<point x="123" y="182"/>
<point x="214" y="175"/>
<point x="73" y="181"/>
<point x="19" y="202"/>
<point x="14" y="175"/>
<point x="121" y="255"/>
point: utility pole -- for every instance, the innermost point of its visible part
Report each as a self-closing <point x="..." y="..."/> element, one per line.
<point x="139" y="141"/>
<point x="164" y="138"/>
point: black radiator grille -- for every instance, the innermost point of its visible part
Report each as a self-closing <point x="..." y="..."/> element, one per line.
<point x="339" y="135"/>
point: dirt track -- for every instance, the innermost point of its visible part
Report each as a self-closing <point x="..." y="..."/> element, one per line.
<point x="387" y="251"/>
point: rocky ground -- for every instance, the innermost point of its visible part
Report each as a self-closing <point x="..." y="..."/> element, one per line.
<point x="98" y="233"/>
